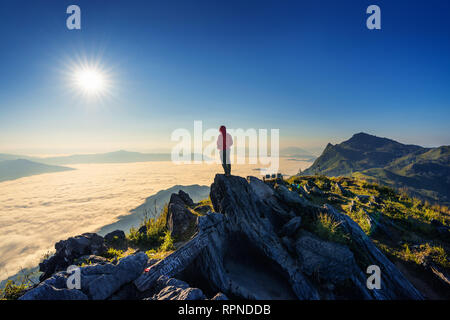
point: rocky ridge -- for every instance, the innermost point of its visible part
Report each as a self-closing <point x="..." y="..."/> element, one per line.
<point x="257" y="244"/>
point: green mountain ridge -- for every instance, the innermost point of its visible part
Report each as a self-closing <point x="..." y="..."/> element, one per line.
<point x="421" y="172"/>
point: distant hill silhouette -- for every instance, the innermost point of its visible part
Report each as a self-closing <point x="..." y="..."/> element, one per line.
<point x="297" y="153"/>
<point x="121" y="156"/>
<point x="424" y="172"/>
<point x="15" y="169"/>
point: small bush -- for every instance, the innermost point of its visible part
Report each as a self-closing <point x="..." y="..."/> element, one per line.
<point x="156" y="229"/>
<point x="425" y="251"/>
<point x="113" y="254"/>
<point x="329" y="229"/>
<point x="167" y="245"/>
<point x="13" y="290"/>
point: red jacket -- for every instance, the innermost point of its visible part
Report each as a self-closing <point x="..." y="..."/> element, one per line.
<point x="228" y="142"/>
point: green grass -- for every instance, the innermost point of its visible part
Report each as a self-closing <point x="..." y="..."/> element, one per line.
<point x="14" y="289"/>
<point x="418" y="254"/>
<point x="167" y="244"/>
<point x="113" y="254"/>
<point x="328" y="229"/>
<point x="156" y="231"/>
<point x="157" y="241"/>
<point x="408" y="219"/>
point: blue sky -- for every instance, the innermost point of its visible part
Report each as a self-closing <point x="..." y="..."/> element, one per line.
<point x="310" y="68"/>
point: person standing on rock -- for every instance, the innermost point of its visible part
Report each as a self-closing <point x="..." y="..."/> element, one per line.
<point x="224" y="142"/>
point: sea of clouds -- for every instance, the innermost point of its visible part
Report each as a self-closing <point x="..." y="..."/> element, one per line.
<point x="37" y="211"/>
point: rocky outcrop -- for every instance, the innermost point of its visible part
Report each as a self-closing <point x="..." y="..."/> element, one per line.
<point x="180" y="259"/>
<point x="395" y="285"/>
<point x="115" y="237"/>
<point x="329" y="261"/>
<point x="256" y="236"/>
<point x="70" y="249"/>
<point x="290" y="229"/>
<point x="259" y="243"/>
<point x="180" y="220"/>
<point x="174" y="289"/>
<point x="98" y="281"/>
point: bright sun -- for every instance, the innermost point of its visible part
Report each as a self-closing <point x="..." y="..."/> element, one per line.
<point x="90" y="80"/>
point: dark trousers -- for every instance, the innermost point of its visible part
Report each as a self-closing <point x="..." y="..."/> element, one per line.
<point x="226" y="163"/>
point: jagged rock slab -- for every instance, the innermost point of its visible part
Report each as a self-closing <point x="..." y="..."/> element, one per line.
<point x="394" y="285"/>
<point x="174" y="289"/>
<point x="70" y="249"/>
<point x="98" y="281"/>
<point x="179" y="218"/>
<point x="177" y="261"/>
<point x="48" y="292"/>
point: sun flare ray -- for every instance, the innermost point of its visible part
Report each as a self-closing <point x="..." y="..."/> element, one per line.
<point x="89" y="79"/>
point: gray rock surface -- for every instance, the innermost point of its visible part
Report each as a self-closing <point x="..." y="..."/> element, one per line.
<point x="290" y="229"/>
<point x="70" y="249"/>
<point x="98" y="281"/>
<point x="328" y="260"/>
<point x="180" y="220"/>
<point x="174" y="289"/>
<point x="47" y="292"/>
<point x="395" y="285"/>
<point x="244" y="245"/>
<point x="116" y="236"/>
<point x="101" y="281"/>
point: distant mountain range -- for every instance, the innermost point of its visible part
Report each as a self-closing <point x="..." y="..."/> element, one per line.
<point x="297" y="153"/>
<point x="423" y="172"/>
<point x="15" y="169"/>
<point x="18" y="166"/>
<point x="120" y="156"/>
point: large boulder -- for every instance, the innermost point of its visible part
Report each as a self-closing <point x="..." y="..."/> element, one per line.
<point x="290" y="229"/>
<point x="186" y="198"/>
<point x="181" y="222"/>
<point x="48" y="292"/>
<point x="98" y="281"/>
<point x="328" y="260"/>
<point x="101" y="281"/>
<point x="181" y="198"/>
<point x="289" y="197"/>
<point x="115" y="237"/>
<point x="173" y="289"/>
<point x="261" y="189"/>
<point x="70" y="249"/>
<point x="177" y="261"/>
